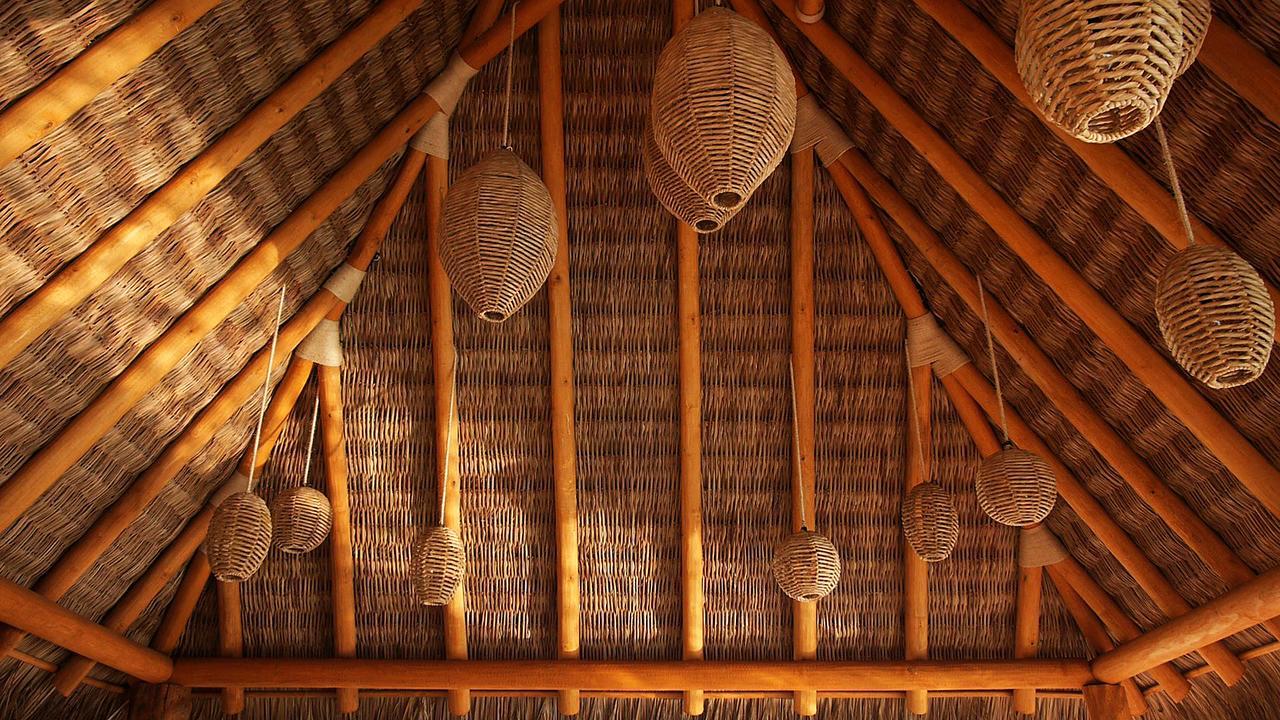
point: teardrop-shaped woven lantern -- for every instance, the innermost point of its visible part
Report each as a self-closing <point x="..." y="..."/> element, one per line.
<point x="300" y="520"/>
<point x="723" y="106"/>
<point x="1216" y="316"/>
<point x="806" y="566"/>
<point x="498" y="235"/>
<point x="1016" y="487"/>
<point x="239" y="537"/>
<point x="675" y="195"/>
<point x="1102" y="69"/>
<point x="438" y="564"/>
<point x="929" y="521"/>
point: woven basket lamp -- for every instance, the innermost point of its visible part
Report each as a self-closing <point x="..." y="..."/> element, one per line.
<point x="806" y="566"/>
<point x="300" y="520"/>
<point x="723" y="106"/>
<point x="930" y="522"/>
<point x="675" y="195"/>
<point x="439" y="561"/>
<point x="1016" y="487"/>
<point x="239" y="537"/>
<point x="1102" y="69"/>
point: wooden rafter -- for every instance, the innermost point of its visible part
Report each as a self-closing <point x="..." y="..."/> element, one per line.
<point x="230" y="639"/>
<point x="1165" y="382"/>
<point x="1244" y="67"/>
<point x="1095" y="635"/>
<point x="45" y="665"/>
<point x="915" y="600"/>
<point x="178" y="614"/>
<point x="1026" y="629"/>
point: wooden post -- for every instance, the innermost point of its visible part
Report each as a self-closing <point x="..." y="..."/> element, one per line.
<point x="1026" y="631"/>
<point x="33" y="116"/>
<point x="1244" y="67"/>
<point x="1105" y="702"/>
<point x="159" y="702"/>
<point x="178" y="614"/>
<point x="1150" y="367"/>
<point x="916" y="571"/>
<point x="341" y="561"/>
<point x="230" y="640"/>
<point x="1098" y="639"/>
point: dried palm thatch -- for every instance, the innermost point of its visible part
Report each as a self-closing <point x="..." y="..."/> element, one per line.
<point x="1102" y="69"/>
<point x="239" y="537"/>
<point x="1016" y="487"/>
<point x="300" y="520"/>
<point x="439" y="564"/>
<point x="930" y="522"/>
<point x="806" y="566"/>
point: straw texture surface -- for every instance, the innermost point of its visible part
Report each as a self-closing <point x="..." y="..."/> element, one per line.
<point x="1016" y="487"/>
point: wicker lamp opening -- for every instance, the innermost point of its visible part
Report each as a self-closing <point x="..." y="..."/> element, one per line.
<point x="675" y="194"/>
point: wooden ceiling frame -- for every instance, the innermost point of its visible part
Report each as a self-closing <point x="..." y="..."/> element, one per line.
<point x="1095" y="635"/>
<point x="182" y="605"/>
<point x="1244" y="67"/>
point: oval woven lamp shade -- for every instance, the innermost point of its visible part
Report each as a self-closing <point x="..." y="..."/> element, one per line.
<point x="723" y="106"/>
<point x="239" y="537"/>
<point x="300" y="520"/>
<point x="675" y="195"/>
<point x="930" y="522"/>
<point x="1102" y="69"/>
<point x="498" y="235"/>
<point x="1016" y="487"/>
<point x="806" y="566"/>
<point x="1216" y="316"/>
<point x="438" y="564"/>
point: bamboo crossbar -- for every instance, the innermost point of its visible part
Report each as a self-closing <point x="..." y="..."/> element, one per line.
<point x="42" y="664"/>
<point x="1244" y="67"/>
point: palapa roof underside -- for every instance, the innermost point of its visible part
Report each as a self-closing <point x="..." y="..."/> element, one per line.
<point x="86" y="175"/>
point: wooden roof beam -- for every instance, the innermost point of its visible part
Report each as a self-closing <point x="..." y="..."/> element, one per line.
<point x="1166" y="383"/>
<point x="1097" y="638"/>
<point x="1147" y="196"/>
<point x="1244" y="67"/>
<point x="341" y="559"/>
<point x="32" y="117"/>
<point x="174" y="622"/>
<point x="42" y="664"/>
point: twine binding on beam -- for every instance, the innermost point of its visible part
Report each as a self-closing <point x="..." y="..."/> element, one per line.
<point x="449" y="84"/>
<point x="433" y="138"/>
<point x="238" y="482"/>
<point x="323" y="345"/>
<point x="929" y="344"/>
<point x="1037" y="547"/>
<point x="344" y="282"/>
<point x="816" y="129"/>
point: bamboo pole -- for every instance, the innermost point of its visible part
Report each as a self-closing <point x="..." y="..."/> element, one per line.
<point x="1244" y="67"/>
<point x="341" y="560"/>
<point x="135" y="601"/>
<point x="1096" y="637"/>
<point x="1148" y="365"/>
<point x="1069" y="572"/>
<point x="230" y="640"/>
<point x="915" y="570"/>
<point x="69" y="445"/>
<point x="180" y="609"/>
<point x="29" y="119"/>
<point x="1147" y="196"/>
<point x="110" y="252"/>
<point x="1240" y="608"/>
<point x="1026" y="630"/>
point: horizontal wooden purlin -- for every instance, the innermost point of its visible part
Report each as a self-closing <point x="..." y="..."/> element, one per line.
<point x="677" y="675"/>
<point x="647" y="694"/>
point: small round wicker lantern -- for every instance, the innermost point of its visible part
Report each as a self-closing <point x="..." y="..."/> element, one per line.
<point x="1016" y="487"/>
<point x="1102" y="69"/>
<point x="239" y="537"/>
<point x="806" y="566"/>
<point x="300" y="520"/>
<point x="930" y="522"/>
<point x="1216" y="316"/>
<point x="498" y="235"/>
<point x="723" y="106"/>
<point x="675" y="195"/>
<point x="438" y="564"/>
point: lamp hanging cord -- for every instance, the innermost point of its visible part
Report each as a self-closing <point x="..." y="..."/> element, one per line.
<point x="506" y="103"/>
<point x="266" y="389"/>
<point x="795" y="435"/>
<point x="1173" y="182"/>
<point x="991" y="352"/>
<point x="448" y="442"/>
<point x="311" y="439"/>
<point x="913" y="410"/>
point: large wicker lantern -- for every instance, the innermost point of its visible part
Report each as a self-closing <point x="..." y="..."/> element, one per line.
<point x="239" y="537"/>
<point x="498" y="235"/>
<point x="930" y="522"/>
<point x="1016" y="487"/>
<point x="438" y="564"/>
<point x="675" y="195"/>
<point x="1102" y="69"/>
<point x="300" y="520"/>
<point x="1216" y="316"/>
<point x="723" y="106"/>
<point x="806" y="566"/>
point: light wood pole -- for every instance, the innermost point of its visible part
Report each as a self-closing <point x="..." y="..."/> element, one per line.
<point x="915" y="570"/>
<point x="1098" y="639"/>
<point x="1026" y="630"/>
<point x="230" y="640"/>
<point x="1244" y="67"/>
<point x="341" y="560"/>
<point x="178" y="614"/>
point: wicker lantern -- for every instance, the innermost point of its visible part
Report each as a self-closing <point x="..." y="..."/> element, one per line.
<point x="723" y="106"/>
<point x="1016" y="487"/>
<point x="498" y="235"/>
<point x="929" y="521"/>
<point x="300" y="520"/>
<point x="239" y="537"/>
<point x="1102" y="69"/>
<point x="439" y="562"/>
<point x="806" y="566"/>
<point x="1216" y="316"/>
<point x="675" y="195"/>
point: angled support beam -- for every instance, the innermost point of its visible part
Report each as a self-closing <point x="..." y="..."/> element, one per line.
<point x="1244" y="67"/>
<point x="341" y="559"/>
<point x="28" y="120"/>
<point x="1165" y="382"/>
<point x="174" y="622"/>
<point x="1098" y="640"/>
<point x="1147" y="196"/>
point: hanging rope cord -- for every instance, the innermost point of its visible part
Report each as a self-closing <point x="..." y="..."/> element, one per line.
<point x="506" y="103"/>
<point x="266" y="390"/>
<point x="913" y="411"/>
<point x="795" y="436"/>
<point x="448" y="442"/>
<point x="1173" y="182"/>
<point x="995" y="369"/>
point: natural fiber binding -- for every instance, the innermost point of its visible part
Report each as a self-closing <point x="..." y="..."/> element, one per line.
<point x="1037" y="547"/>
<point x="300" y="520"/>
<point x="1016" y="487"/>
<point x="929" y="344"/>
<point x="344" y="282"/>
<point x="806" y="566"/>
<point x="438" y="563"/>
<point x="498" y="235"/>
<point x="323" y="345"/>
<point x="1216" y="316"/>
<point x="447" y="87"/>
<point x="816" y="129"/>
<point x="675" y="195"/>
<point x="1102" y="69"/>
<point x="239" y="537"/>
<point x="930" y="522"/>
<point x="433" y="138"/>
<point x="723" y="106"/>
